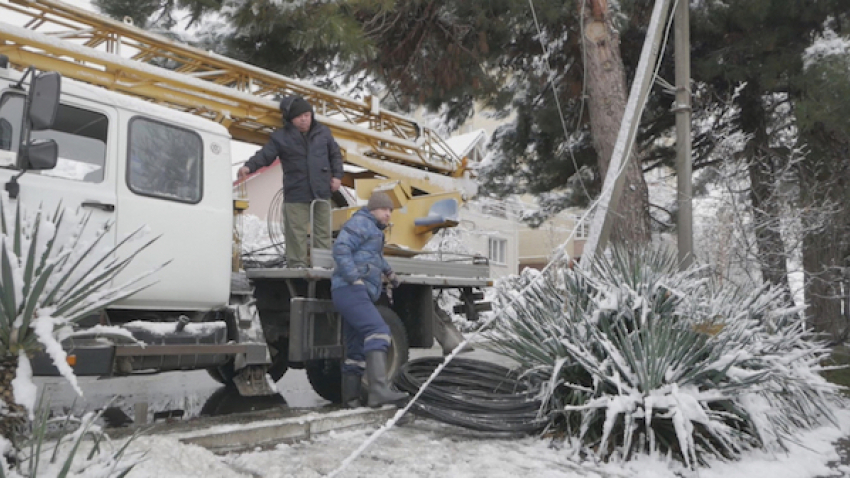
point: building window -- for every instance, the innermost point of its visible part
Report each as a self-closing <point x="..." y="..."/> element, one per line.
<point x="582" y="228"/>
<point x="165" y="161"/>
<point x="497" y="251"/>
<point x="495" y="209"/>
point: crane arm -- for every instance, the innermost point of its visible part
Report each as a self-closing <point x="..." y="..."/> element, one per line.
<point x="118" y="56"/>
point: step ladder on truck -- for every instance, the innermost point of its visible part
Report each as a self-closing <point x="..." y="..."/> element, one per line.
<point x="139" y="144"/>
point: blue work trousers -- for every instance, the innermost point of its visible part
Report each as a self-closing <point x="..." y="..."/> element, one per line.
<point x="363" y="328"/>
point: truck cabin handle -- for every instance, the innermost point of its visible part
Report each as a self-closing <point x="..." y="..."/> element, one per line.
<point x="99" y="205"/>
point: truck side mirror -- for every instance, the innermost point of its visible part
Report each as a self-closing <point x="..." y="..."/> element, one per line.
<point x="44" y="100"/>
<point x="41" y="155"/>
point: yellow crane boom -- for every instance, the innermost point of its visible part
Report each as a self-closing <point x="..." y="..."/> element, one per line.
<point x="98" y="50"/>
<point x="412" y="163"/>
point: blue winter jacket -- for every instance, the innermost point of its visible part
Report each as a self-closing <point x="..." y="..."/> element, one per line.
<point x="359" y="254"/>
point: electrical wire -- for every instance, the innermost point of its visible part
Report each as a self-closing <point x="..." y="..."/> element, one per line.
<point x="265" y="256"/>
<point x="473" y="394"/>
<point x="274" y="221"/>
<point x="550" y="74"/>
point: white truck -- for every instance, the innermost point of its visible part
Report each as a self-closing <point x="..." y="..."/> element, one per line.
<point x="132" y="163"/>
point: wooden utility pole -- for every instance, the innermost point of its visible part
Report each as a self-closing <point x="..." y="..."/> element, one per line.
<point x="682" y="109"/>
<point x="600" y="227"/>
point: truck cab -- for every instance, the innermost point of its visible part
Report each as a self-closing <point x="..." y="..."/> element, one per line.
<point x="132" y="164"/>
<point x="129" y="164"/>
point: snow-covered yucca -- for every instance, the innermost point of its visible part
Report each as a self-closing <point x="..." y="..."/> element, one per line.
<point x="53" y="273"/>
<point x="77" y="448"/>
<point x="633" y="356"/>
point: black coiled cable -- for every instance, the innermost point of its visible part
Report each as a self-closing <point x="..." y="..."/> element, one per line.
<point x="275" y="222"/>
<point x="473" y="394"/>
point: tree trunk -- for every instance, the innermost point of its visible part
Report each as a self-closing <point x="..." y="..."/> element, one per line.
<point x="764" y="166"/>
<point x="13" y="417"/>
<point x="606" y="86"/>
<point x="824" y="178"/>
<point x="824" y="282"/>
<point x="766" y="222"/>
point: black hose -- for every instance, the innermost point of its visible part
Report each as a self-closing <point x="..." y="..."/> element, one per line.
<point x="473" y="394"/>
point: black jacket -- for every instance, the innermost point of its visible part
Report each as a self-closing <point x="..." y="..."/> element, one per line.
<point x="309" y="161"/>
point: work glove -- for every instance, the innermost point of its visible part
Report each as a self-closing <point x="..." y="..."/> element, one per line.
<point x="394" y="282"/>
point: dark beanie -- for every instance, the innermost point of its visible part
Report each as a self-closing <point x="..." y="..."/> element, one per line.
<point x="298" y="107"/>
<point x="379" y="200"/>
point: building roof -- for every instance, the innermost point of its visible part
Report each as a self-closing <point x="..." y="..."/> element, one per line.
<point x="463" y="144"/>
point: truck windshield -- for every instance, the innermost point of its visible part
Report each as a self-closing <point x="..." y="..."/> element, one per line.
<point x="80" y="134"/>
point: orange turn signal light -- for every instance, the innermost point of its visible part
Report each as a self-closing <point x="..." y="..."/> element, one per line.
<point x="71" y="359"/>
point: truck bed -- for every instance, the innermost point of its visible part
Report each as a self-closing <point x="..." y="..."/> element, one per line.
<point x="409" y="271"/>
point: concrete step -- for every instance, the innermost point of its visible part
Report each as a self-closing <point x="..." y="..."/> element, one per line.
<point x="248" y="431"/>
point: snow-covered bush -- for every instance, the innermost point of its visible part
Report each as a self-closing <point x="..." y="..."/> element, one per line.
<point x="449" y="245"/>
<point x="55" y="269"/>
<point x="71" y="447"/>
<point x="634" y="356"/>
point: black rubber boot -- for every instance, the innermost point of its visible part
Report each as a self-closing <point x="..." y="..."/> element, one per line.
<point x="351" y="390"/>
<point x="380" y="392"/>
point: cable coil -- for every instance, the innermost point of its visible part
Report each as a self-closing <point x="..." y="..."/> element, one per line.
<point x="473" y="394"/>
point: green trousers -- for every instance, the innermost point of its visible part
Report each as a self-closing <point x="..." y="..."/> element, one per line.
<point x="296" y="220"/>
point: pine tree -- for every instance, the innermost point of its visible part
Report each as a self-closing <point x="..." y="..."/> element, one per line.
<point x="823" y="118"/>
<point x="759" y="44"/>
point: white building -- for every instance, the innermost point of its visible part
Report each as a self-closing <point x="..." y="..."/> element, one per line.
<point x="494" y="229"/>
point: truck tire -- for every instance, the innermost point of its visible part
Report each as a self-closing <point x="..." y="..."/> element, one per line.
<point x="325" y="375"/>
<point x="224" y="373"/>
<point x="279" y="352"/>
<point x="218" y="376"/>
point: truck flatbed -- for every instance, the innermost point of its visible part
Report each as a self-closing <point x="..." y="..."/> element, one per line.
<point x="409" y="270"/>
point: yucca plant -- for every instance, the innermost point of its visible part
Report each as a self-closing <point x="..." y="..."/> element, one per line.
<point x="634" y="356"/>
<point x="54" y="271"/>
<point x="71" y="446"/>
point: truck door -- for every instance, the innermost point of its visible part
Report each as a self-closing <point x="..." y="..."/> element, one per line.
<point x="83" y="179"/>
<point x="176" y="183"/>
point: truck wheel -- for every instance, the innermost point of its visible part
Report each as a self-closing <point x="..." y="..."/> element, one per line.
<point x="325" y="375"/>
<point x="279" y="352"/>
<point x="225" y="372"/>
<point x="216" y="375"/>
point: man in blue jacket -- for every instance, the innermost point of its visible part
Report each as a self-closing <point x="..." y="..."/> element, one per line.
<point x="356" y="285"/>
<point x="312" y="170"/>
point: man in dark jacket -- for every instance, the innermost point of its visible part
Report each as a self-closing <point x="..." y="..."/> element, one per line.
<point x="356" y="285"/>
<point x="312" y="170"/>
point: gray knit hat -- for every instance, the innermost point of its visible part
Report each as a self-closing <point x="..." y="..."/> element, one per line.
<point x="379" y="200"/>
<point x="298" y="107"/>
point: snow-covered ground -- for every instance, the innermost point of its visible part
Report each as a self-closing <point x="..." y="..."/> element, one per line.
<point x="427" y="448"/>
